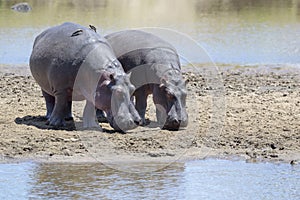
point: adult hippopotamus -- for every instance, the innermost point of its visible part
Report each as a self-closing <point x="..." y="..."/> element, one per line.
<point x="155" y="69"/>
<point x="72" y="62"/>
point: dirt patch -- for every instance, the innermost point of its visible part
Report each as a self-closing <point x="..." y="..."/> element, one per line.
<point x="255" y="114"/>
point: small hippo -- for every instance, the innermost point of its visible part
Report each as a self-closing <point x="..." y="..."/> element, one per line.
<point x="155" y="69"/>
<point x="72" y="62"/>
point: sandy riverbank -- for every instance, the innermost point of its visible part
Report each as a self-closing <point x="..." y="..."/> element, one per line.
<point x="246" y="111"/>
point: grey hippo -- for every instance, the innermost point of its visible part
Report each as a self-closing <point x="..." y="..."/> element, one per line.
<point x="155" y="69"/>
<point x="72" y="62"/>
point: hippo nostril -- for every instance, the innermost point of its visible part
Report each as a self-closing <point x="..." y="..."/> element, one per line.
<point x="175" y="122"/>
<point x="131" y="123"/>
<point x="138" y="122"/>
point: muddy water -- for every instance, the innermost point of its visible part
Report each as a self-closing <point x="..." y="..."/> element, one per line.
<point x="232" y="31"/>
<point x="204" y="179"/>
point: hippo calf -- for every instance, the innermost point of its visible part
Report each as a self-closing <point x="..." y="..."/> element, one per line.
<point x="155" y="69"/>
<point x="72" y="62"/>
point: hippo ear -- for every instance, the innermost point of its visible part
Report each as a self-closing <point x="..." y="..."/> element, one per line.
<point x="93" y="28"/>
<point x="77" y="32"/>
<point x="129" y="75"/>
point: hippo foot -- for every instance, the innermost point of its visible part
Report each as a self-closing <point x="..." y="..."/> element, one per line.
<point x="48" y="116"/>
<point x="102" y="119"/>
<point x="87" y="124"/>
<point x="56" y="122"/>
<point x="66" y="118"/>
<point x="69" y="119"/>
<point x="145" y="122"/>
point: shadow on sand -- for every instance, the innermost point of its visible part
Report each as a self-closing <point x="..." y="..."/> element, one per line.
<point x="41" y="123"/>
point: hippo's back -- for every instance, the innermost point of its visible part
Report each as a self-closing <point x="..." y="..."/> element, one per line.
<point x="63" y="43"/>
<point x="59" y="51"/>
<point x="132" y="40"/>
<point x="135" y="47"/>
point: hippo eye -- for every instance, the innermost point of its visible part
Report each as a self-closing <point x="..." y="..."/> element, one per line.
<point x="115" y="63"/>
<point x="109" y="66"/>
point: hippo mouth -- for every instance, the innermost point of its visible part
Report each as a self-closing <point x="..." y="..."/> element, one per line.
<point x="122" y="124"/>
<point x="171" y="127"/>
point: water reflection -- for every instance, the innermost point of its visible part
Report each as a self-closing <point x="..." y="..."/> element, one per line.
<point x="232" y="31"/>
<point x="204" y="179"/>
<point x="92" y="180"/>
<point x="223" y="179"/>
<point x="145" y="13"/>
<point x="15" y="180"/>
<point x="237" y="6"/>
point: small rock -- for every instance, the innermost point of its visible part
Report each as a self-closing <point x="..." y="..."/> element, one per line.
<point x="230" y="87"/>
<point x="251" y="160"/>
<point x="21" y="7"/>
<point x="154" y="154"/>
<point x="67" y="152"/>
<point x="74" y="139"/>
<point x="273" y="146"/>
<point x="81" y="146"/>
<point x="170" y="154"/>
<point x="27" y="148"/>
<point x="293" y="162"/>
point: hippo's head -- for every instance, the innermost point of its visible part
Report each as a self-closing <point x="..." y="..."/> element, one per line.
<point x="113" y="96"/>
<point x="171" y="101"/>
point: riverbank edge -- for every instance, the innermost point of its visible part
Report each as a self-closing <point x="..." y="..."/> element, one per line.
<point x="292" y="157"/>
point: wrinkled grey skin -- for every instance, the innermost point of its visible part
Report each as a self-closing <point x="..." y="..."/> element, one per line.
<point x="155" y="69"/>
<point x="72" y="62"/>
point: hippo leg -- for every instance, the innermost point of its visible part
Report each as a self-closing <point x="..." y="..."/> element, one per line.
<point x="141" y="104"/>
<point x="50" y="102"/>
<point x="69" y="116"/>
<point x="160" y="116"/>
<point x="60" y="110"/>
<point x="136" y="116"/>
<point x="89" y="116"/>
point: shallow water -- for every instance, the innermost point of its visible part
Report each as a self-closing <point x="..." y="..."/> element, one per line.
<point x="204" y="179"/>
<point x="231" y="31"/>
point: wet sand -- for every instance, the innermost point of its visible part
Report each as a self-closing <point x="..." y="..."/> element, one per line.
<point x="249" y="112"/>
